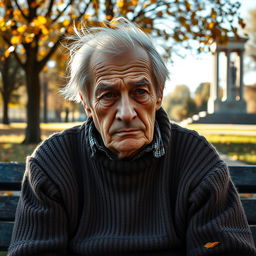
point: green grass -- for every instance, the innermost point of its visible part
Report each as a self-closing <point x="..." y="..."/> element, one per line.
<point x="3" y="253"/>
<point x="11" y="137"/>
<point x="236" y="141"/>
<point x="244" y="152"/>
<point x="227" y="141"/>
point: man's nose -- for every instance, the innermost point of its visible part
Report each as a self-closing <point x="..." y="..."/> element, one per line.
<point x="126" y="111"/>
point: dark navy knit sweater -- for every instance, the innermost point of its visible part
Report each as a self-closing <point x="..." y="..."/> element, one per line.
<point x="75" y="204"/>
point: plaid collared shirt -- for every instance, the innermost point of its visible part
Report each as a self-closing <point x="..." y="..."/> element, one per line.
<point x="96" y="143"/>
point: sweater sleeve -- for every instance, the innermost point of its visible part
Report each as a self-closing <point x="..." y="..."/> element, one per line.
<point x="41" y="222"/>
<point x="217" y="224"/>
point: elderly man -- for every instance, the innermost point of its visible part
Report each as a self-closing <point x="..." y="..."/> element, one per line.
<point x="127" y="181"/>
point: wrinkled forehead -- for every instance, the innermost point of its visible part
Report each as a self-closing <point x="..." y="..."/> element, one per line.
<point x="123" y="57"/>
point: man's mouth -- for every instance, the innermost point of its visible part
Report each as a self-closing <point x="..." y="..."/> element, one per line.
<point x="128" y="131"/>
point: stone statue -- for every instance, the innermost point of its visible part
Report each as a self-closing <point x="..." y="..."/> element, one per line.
<point x="233" y="70"/>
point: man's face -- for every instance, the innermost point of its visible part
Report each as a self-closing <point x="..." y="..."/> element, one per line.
<point x="123" y="100"/>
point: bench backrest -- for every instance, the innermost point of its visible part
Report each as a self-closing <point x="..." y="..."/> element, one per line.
<point x="11" y="175"/>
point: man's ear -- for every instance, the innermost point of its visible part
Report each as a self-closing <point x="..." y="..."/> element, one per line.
<point x="159" y="102"/>
<point x="87" y="108"/>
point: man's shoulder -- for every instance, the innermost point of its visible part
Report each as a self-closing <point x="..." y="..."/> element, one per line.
<point x="190" y="143"/>
<point x="195" y="158"/>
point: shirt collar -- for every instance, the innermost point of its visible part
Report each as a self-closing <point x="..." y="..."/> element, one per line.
<point x="96" y="143"/>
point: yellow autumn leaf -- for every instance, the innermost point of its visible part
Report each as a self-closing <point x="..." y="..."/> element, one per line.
<point x="16" y="40"/>
<point x="109" y="17"/>
<point x="22" y="28"/>
<point x="45" y="68"/>
<point x="44" y="38"/>
<point x="16" y="13"/>
<point x="6" y="53"/>
<point x="120" y="3"/>
<point x="2" y="23"/>
<point x="211" y="244"/>
<point x="134" y="2"/>
<point x="40" y="20"/>
<point x="42" y="52"/>
<point x="72" y="16"/>
<point x="29" y="38"/>
<point x="66" y="23"/>
<point x="211" y="25"/>
<point x="44" y="30"/>
<point x="87" y="16"/>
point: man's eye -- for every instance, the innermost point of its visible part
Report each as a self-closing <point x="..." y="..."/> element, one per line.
<point x="109" y="95"/>
<point x="141" y="95"/>
<point x="140" y="92"/>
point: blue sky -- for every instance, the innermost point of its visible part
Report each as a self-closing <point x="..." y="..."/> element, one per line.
<point x="193" y="70"/>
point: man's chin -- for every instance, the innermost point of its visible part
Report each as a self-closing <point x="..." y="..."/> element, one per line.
<point x="128" y="147"/>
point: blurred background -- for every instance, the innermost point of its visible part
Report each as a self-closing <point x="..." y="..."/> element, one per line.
<point x="33" y="61"/>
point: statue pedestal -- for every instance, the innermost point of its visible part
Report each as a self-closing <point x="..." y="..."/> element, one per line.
<point x="231" y="110"/>
<point x="223" y="118"/>
<point x="227" y="106"/>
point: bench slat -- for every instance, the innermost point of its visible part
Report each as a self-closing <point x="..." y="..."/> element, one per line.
<point x="250" y="209"/>
<point x="244" y="178"/>
<point x="5" y="235"/>
<point x="11" y="175"/>
<point x="253" y="229"/>
<point x="8" y="206"/>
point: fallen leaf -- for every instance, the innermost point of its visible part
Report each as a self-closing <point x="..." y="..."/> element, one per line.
<point x="211" y="244"/>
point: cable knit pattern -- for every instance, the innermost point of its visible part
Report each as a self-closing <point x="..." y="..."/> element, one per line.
<point x="75" y="204"/>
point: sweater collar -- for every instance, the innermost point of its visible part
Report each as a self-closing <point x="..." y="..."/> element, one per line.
<point x="96" y="143"/>
<point x="106" y="160"/>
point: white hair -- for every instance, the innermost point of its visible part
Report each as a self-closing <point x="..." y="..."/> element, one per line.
<point x="120" y="34"/>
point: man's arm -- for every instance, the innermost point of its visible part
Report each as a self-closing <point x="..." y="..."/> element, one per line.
<point x="41" y="223"/>
<point x="217" y="224"/>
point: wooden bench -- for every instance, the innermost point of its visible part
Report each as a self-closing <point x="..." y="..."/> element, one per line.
<point x="11" y="175"/>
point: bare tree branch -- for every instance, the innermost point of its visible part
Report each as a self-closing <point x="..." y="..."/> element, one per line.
<point x="65" y="8"/>
<point x="145" y="10"/>
<point x="83" y="12"/>
<point x="49" y="8"/>
<point x="43" y="62"/>
<point x="21" y="11"/>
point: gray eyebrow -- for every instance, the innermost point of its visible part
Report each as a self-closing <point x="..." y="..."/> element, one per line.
<point x="141" y="82"/>
<point x="104" y="87"/>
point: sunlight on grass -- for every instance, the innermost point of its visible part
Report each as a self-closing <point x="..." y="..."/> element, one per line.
<point x="238" y="147"/>
<point x="223" y="138"/>
<point x="220" y="127"/>
<point x="50" y="126"/>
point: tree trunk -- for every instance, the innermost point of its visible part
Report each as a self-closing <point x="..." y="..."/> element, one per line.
<point x="45" y="97"/>
<point x="5" y="111"/>
<point x="33" y="133"/>
<point x="7" y="84"/>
